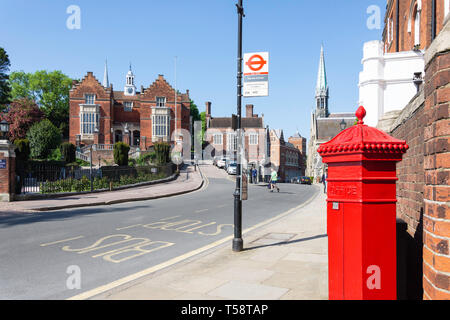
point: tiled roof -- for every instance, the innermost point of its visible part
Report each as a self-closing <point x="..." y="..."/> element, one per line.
<point x="245" y="123"/>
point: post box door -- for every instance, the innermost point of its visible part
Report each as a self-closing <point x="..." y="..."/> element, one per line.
<point x="335" y="231"/>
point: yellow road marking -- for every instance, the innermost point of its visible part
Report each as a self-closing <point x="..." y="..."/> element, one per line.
<point x="49" y="244"/>
<point x="132" y="277"/>
<point x="202" y="210"/>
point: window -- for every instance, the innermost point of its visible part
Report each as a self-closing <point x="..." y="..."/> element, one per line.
<point x="160" y="101"/>
<point x="89" y="121"/>
<point x="217" y="139"/>
<point x="417" y="28"/>
<point x="128" y="106"/>
<point x="232" y="142"/>
<point x="160" y="125"/>
<point x="446" y="7"/>
<point x="253" y="139"/>
<point x="90" y="99"/>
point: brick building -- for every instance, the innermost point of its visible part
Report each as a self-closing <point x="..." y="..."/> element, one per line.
<point x="423" y="121"/>
<point x="390" y="65"/>
<point x="102" y="116"/>
<point x="222" y="139"/>
<point x="299" y="142"/>
<point x="285" y="156"/>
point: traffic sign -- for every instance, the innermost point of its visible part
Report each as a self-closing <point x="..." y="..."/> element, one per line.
<point x="256" y="74"/>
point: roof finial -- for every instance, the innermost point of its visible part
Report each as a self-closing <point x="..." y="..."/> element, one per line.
<point x="360" y="114"/>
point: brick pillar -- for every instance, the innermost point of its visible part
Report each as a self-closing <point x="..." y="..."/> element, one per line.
<point x="7" y="171"/>
<point x="436" y="218"/>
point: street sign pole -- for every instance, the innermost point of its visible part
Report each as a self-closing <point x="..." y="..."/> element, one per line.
<point x="238" y="243"/>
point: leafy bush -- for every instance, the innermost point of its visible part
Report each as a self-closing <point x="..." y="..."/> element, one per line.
<point x="22" y="150"/>
<point x="68" y="152"/>
<point x="162" y="151"/>
<point x="146" y="158"/>
<point x="43" y="137"/>
<point x="121" y="153"/>
<point x="55" y="155"/>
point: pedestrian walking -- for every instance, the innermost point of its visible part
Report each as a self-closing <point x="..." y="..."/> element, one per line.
<point x="273" y="181"/>
<point x="255" y="175"/>
<point x="324" y="181"/>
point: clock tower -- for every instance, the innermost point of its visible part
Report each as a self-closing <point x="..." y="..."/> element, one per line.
<point x="130" y="88"/>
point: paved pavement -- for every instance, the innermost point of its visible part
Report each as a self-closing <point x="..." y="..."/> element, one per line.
<point x="112" y="245"/>
<point x="188" y="180"/>
<point x="285" y="259"/>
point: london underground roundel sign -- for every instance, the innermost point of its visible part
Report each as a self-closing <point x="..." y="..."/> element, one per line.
<point x="256" y="74"/>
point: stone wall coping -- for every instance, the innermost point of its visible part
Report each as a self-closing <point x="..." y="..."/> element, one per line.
<point x="409" y="110"/>
<point x="440" y="44"/>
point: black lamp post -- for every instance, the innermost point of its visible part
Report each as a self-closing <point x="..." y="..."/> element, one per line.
<point x="343" y="124"/>
<point x="238" y="243"/>
<point x="4" y="129"/>
<point x="417" y="79"/>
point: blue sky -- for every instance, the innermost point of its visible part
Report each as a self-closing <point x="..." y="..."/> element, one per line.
<point x="203" y="35"/>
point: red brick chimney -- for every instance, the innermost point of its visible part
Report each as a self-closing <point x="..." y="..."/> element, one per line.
<point x="249" y="111"/>
<point x="208" y="109"/>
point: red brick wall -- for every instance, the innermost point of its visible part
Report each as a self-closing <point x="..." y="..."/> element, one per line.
<point x="436" y="255"/>
<point x="8" y="175"/>
<point x="410" y="171"/>
<point x="406" y="39"/>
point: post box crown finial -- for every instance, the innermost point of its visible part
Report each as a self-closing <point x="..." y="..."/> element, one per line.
<point x="360" y="114"/>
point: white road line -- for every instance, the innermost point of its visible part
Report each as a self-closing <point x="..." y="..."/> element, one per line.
<point x="117" y="283"/>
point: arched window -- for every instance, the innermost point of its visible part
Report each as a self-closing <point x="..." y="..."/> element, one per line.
<point x="417" y="26"/>
<point x="446" y="7"/>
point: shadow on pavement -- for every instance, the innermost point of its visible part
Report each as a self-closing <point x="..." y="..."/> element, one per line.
<point x="287" y="242"/>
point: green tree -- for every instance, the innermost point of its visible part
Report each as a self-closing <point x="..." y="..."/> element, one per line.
<point x="194" y="112"/>
<point x="121" y="150"/>
<point x="68" y="151"/>
<point x="22" y="114"/>
<point x="44" y="136"/>
<point x="203" y="118"/>
<point x="5" y="88"/>
<point x="50" y="90"/>
<point x="162" y="151"/>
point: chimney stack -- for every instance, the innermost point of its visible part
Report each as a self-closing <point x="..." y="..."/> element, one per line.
<point x="208" y="109"/>
<point x="249" y="111"/>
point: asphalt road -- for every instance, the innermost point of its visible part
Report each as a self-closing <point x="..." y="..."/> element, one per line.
<point x="46" y="255"/>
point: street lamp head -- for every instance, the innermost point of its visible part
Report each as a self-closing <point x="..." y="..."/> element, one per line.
<point x="4" y="129"/>
<point x="343" y="124"/>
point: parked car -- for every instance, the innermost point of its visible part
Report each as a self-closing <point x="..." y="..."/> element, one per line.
<point x="305" y="180"/>
<point x="221" y="163"/>
<point x="232" y="168"/>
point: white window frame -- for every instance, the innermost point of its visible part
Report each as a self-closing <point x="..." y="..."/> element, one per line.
<point x="417" y="19"/>
<point x="218" y="139"/>
<point x="89" y="121"/>
<point x="446" y="8"/>
<point x="158" y="102"/>
<point x="128" y="106"/>
<point x="89" y="99"/>
<point x="160" y="125"/>
<point x="253" y="139"/>
<point x="232" y="142"/>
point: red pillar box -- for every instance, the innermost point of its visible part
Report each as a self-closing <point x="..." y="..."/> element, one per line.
<point x="361" y="217"/>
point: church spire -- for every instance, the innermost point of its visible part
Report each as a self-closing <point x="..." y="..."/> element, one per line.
<point x="322" y="88"/>
<point x="322" y="85"/>
<point x="105" y="82"/>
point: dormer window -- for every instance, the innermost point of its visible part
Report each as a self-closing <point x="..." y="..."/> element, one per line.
<point x="160" y="102"/>
<point x="89" y="99"/>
